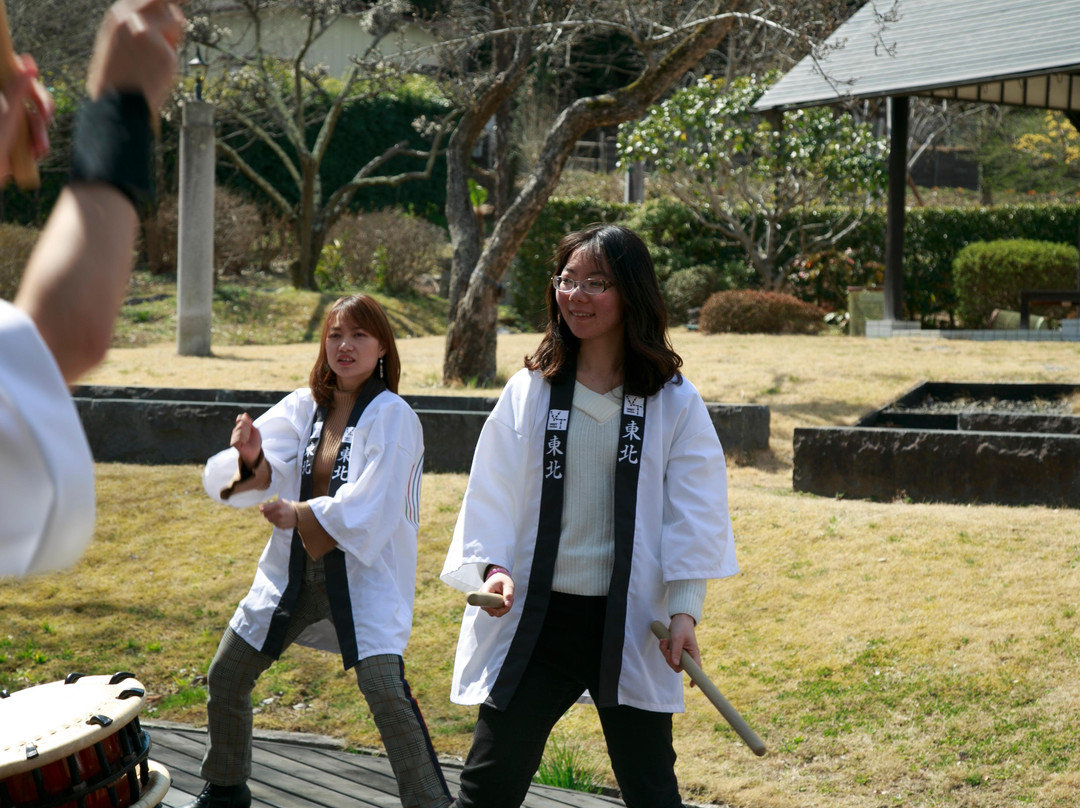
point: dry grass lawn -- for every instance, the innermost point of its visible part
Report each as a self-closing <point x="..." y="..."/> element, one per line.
<point x="889" y="654"/>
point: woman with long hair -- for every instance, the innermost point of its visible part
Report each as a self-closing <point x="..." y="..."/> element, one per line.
<point x="596" y="504"/>
<point x="344" y="459"/>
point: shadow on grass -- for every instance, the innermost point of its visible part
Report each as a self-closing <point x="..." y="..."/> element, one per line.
<point x="761" y="459"/>
<point x="233" y="357"/>
<point x="314" y="326"/>
<point x="832" y="413"/>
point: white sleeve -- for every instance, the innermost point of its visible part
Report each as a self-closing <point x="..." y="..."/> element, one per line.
<point x="282" y="428"/>
<point x="696" y="540"/>
<point x="489" y="522"/>
<point x="46" y="469"/>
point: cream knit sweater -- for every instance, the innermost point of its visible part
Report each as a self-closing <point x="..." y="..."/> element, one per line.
<point x="587" y="545"/>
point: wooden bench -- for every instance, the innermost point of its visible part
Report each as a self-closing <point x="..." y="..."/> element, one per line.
<point x="1029" y="296"/>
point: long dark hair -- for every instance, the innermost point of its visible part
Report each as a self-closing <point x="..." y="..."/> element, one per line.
<point x="649" y="361"/>
<point x="357" y="311"/>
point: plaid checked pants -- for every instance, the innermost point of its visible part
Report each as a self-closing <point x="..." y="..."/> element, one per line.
<point x="231" y="680"/>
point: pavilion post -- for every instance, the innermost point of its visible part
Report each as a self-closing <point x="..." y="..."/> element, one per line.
<point x="896" y="199"/>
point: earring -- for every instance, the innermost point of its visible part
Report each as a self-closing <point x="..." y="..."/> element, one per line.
<point x="382" y="367"/>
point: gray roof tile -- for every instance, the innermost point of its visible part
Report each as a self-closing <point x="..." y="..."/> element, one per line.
<point x="1005" y="51"/>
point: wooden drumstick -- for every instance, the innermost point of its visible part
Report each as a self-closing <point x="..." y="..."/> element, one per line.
<point x="23" y="165"/>
<point x="487" y="600"/>
<point x="712" y="692"/>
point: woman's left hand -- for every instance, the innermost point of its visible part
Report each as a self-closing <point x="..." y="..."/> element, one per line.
<point x="682" y="639"/>
<point x="280" y="513"/>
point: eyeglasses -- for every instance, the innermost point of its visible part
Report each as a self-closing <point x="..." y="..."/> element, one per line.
<point x="590" y="286"/>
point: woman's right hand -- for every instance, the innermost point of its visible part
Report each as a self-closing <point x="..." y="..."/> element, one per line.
<point x="246" y="440"/>
<point x="502" y="584"/>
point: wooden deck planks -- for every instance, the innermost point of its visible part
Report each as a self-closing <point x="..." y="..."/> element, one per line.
<point x="299" y="775"/>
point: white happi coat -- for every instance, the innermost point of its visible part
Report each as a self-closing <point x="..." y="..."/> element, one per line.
<point x="682" y="531"/>
<point x="46" y="469"/>
<point x="373" y="517"/>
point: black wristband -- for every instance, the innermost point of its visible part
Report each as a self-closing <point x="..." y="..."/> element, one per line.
<point x="247" y="471"/>
<point x="112" y="145"/>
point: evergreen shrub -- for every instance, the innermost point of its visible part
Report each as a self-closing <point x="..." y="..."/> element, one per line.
<point x="989" y="275"/>
<point x="688" y="289"/>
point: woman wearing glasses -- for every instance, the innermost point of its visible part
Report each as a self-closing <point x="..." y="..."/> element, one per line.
<point x="597" y="503"/>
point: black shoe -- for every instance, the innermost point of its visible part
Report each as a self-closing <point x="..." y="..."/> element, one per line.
<point x="222" y="797"/>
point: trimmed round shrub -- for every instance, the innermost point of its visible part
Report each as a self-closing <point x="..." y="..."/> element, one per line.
<point x="16" y="243"/>
<point x="989" y="275"/>
<point x="747" y="311"/>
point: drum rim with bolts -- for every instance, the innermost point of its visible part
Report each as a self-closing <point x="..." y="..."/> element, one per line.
<point x="77" y="743"/>
<point x="117" y="702"/>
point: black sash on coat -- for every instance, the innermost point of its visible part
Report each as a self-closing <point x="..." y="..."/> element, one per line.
<point x="337" y="581"/>
<point x="631" y="436"/>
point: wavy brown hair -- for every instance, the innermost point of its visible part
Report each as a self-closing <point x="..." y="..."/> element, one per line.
<point x="649" y="360"/>
<point x="357" y="311"/>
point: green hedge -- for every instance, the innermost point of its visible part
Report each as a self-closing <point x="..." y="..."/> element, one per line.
<point x="934" y="236"/>
<point x="932" y="239"/>
<point x="31" y="208"/>
<point x="989" y="275"/>
<point x="16" y="244"/>
<point x="365" y="130"/>
<point x="677" y="240"/>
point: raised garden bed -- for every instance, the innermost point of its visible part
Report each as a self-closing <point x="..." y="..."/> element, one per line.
<point x="184" y="425"/>
<point x="1013" y="444"/>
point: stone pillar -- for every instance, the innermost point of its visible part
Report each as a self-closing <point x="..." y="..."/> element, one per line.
<point x="195" y="250"/>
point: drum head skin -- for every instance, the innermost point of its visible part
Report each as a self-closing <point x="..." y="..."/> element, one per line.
<point x="45" y="723"/>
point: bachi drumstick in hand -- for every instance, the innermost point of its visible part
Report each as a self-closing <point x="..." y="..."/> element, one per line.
<point x="712" y="692"/>
<point x="487" y="600"/>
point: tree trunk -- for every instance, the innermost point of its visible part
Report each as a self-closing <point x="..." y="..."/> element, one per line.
<point x="471" y="328"/>
<point x="471" y="337"/>
<point x="471" y="334"/>
<point x="465" y="234"/>
<point x="304" y="273"/>
<point x="153" y="232"/>
<point x="503" y="164"/>
<point x="153" y="242"/>
<point x="473" y="314"/>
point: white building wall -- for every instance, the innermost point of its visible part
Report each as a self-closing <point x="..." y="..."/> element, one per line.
<point x="284" y="29"/>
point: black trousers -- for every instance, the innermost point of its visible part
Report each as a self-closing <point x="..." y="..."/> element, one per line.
<point x="508" y="744"/>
